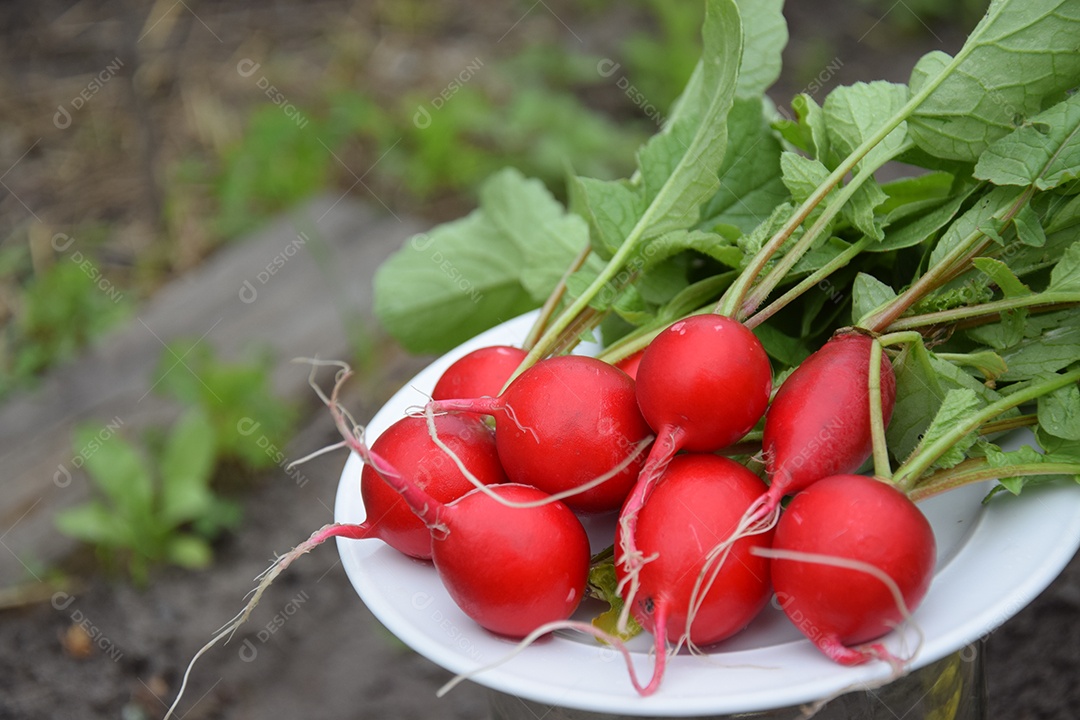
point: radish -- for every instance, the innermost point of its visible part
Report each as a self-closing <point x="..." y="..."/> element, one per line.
<point x="819" y="422"/>
<point x="510" y="569"/>
<point x="683" y="595"/>
<point x="852" y="558"/>
<point x="408" y="447"/>
<point x="702" y="384"/>
<point x="480" y="373"/>
<point x="564" y="424"/>
<point x="630" y="364"/>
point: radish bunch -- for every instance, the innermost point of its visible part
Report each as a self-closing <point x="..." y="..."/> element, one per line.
<point x="696" y="557"/>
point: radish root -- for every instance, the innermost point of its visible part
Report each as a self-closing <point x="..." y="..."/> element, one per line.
<point x="265" y="578"/>
<point x="760" y="517"/>
<point x="837" y="651"/>
<point x="492" y="492"/>
<point x="668" y="441"/>
<point x="550" y="627"/>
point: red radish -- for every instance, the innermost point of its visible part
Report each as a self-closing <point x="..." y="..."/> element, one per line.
<point x="630" y="364"/>
<point x="819" y="422"/>
<point x="702" y="384"/>
<point x="511" y="569"/>
<point x="698" y="501"/>
<point x="829" y="542"/>
<point x="408" y="447"/>
<point x="480" y="373"/>
<point x="564" y="423"/>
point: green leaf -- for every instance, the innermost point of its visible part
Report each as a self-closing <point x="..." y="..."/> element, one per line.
<point x="189" y="552"/>
<point x="922" y="382"/>
<point x="1059" y="412"/>
<point x="750" y="182"/>
<point x="1044" y="152"/>
<point x="445" y="287"/>
<point x="913" y="223"/>
<point x="765" y="34"/>
<point x="859" y="210"/>
<point x="548" y="238"/>
<point x="1065" y="276"/>
<point x="1028" y="227"/>
<point x="1001" y="335"/>
<point x="787" y="350"/>
<point x="919" y="392"/>
<point x="1022" y="52"/>
<point x="611" y="208"/>
<point x="853" y="113"/>
<point x="801" y="175"/>
<point x="1052" y="343"/>
<point x="978" y="219"/>
<point x="931" y="186"/>
<point x="1002" y="276"/>
<point x="117" y="469"/>
<point x="1027" y="455"/>
<point x="94" y="523"/>
<point x="807" y="131"/>
<point x="679" y="166"/>
<point x="187" y="462"/>
<point x="868" y="294"/>
<point x="710" y="244"/>
<point x="956" y="409"/>
<point x="602" y="586"/>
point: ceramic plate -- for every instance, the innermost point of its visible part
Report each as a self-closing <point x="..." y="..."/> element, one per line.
<point x="992" y="561"/>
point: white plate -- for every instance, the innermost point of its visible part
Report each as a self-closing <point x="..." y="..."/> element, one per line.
<point x="992" y="561"/>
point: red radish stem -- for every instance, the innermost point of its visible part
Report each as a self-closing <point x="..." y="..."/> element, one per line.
<point x="853" y="558"/>
<point x="702" y="384"/>
<point x="564" y="422"/>
<point x="683" y="596"/>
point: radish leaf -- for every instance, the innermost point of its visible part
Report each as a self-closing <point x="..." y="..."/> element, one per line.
<point x="1018" y="55"/>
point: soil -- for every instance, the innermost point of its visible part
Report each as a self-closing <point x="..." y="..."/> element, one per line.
<point x="104" y="649"/>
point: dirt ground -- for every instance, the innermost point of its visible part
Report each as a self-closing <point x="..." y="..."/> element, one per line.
<point x="107" y="650"/>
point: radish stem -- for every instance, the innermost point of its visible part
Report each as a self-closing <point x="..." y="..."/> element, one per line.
<point x="882" y="469"/>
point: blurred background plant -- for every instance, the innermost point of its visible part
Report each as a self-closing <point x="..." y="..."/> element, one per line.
<point x="162" y="497"/>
